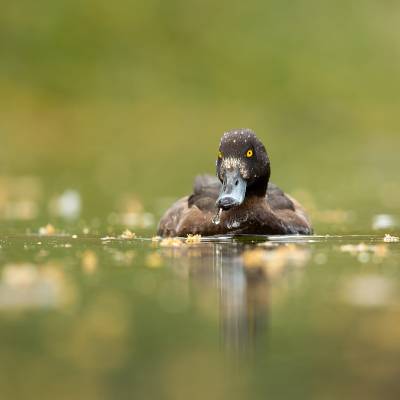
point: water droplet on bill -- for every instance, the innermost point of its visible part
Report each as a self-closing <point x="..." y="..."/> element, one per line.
<point x="217" y="217"/>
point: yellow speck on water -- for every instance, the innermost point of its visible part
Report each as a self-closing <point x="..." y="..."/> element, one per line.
<point x="89" y="261"/>
<point x="390" y="239"/>
<point x="273" y="262"/>
<point x="354" y="249"/>
<point x="107" y="239"/>
<point x="193" y="239"/>
<point x="363" y="251"/>
<point x="47" y="230"/>
<point x="127" y="234"/>
<point x="155" y="240"/>
<point x="171" y="242"/>
<point x="253" y="258"/>
<point x="154" y="260"/>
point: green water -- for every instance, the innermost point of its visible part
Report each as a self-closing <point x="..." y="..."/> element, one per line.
<point x="102" y="317"/>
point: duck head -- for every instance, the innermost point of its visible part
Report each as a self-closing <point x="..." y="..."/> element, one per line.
<point x="243" y="168"/>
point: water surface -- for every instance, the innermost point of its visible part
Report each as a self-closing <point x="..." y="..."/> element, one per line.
<point x="87" y="316"/>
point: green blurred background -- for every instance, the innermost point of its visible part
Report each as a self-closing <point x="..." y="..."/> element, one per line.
<point x="116" y="98"/>
<point x="120" y="104"/>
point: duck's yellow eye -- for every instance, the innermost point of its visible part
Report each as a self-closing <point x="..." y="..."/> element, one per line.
<point x="249" y="153"/>
<point x="219" y="154"/>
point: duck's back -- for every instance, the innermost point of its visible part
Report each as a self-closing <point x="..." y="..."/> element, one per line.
<point x="193" y="214"/>
<point x="206" y="189"/>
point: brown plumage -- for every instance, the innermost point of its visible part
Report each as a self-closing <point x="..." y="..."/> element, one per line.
<point x="251" y="205"/>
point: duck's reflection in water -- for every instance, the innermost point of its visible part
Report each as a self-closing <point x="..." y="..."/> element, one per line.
<point x="241" y="277"/>
<point x="243" y="300"/>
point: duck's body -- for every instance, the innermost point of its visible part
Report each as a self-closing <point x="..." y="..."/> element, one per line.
<point x="274" y="214"/>
<point x="244" y="203"/>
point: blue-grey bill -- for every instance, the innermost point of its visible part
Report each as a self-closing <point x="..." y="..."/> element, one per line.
<point x="233" y="190"/>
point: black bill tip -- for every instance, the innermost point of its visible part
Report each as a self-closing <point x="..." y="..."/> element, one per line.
<point x="227" y="202"/>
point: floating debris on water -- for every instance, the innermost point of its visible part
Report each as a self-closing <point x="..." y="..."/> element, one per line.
<point x="107" y="239"/>
<point x="155" y="240"/>
<point x="363" y="252"/>
<point x="390" y="239"/>
<point x="273" y="261"/>
<point x="127" y="234"/>
<point x="47" y="230"/>
<point x="89" y="261"/>
<point x="154" y="260"/>
<point x="193" y="239"/>
<point x="354" y="249"/>
<point x="171" y="242"/>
